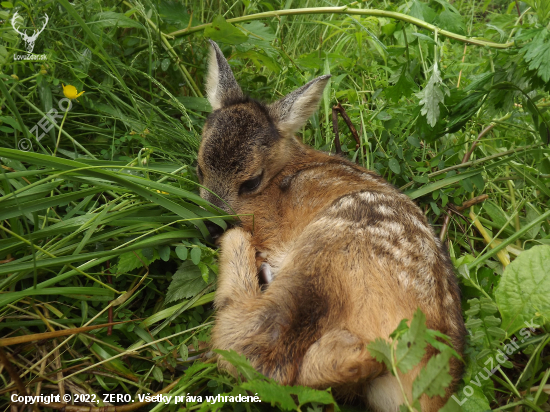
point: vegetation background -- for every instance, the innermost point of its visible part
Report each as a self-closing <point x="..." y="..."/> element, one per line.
<point x="100" y="219"/>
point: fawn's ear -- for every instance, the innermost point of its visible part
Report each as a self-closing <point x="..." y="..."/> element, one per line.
<point x="221" y="85"/>
<point x="292" y="111"/>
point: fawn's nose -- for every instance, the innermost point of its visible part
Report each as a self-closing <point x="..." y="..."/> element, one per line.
<point x="214" y="230"/>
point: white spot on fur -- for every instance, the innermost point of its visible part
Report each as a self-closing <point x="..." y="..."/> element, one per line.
<point x="385" y="210"/>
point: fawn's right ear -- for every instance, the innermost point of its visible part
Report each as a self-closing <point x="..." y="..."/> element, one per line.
<point x="221" y="85"/>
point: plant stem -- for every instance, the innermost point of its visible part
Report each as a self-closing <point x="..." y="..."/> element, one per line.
<point x="347" y="10"/>
<point x="60" y="129"/>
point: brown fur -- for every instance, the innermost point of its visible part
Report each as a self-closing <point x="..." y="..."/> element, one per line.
<point x="350" y="254"/>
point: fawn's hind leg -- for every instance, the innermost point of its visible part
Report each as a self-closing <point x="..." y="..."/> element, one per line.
<point x="338" y="357"/>
<point x="248" y="321"/>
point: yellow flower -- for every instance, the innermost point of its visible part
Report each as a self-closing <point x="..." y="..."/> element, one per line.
<point x="70" y="92"/>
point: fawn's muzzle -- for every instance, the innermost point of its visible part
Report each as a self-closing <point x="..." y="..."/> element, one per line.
<point x="214" y="230"/>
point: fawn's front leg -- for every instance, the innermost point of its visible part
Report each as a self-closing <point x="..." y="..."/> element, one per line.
<point x="248" y="321"/>
<point x="237" y="278"/>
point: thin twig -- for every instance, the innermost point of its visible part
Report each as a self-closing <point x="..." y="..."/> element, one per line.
<point x="339" y="109"/>
<point x="472" y="201"/>
<point x="337" y="145"/>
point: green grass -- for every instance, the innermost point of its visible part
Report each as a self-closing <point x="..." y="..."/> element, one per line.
<point x="111" y="227"/>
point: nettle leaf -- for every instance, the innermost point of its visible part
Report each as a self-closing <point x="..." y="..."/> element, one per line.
<point x="224" y="32"/>
<point x="434" y="377"/>
<point x="186" y="282"/>
<point x="411" y="346"/>
<point x="259" y="32"/>
<point x="261" y="60"/>
<point x="132" y="260"/>
<point x="522" y="294"/>
<point x="404" y="85"/>
<point x="537" y="54"/>
<point x="451" y="21"/>
<point x="432" y="95"/>
<point x="422" y="11"/>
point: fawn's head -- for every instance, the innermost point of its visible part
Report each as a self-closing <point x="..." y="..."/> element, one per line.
<point x="245" y="143"/>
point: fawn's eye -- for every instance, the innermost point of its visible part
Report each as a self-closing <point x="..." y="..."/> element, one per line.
<point x="251" y="184"/>
<point x="199" y="173"/>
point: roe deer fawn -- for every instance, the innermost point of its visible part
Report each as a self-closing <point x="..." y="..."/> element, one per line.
<point x="346" y="255"/>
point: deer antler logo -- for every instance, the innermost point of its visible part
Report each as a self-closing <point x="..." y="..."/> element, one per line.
<point x="29" y="40"/>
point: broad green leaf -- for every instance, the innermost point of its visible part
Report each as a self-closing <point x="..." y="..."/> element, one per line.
<point x="403" y="87"/>
<point x="135" y="259"/>
<point x="476" y="402"/>
<point x="157" y="374"/>
<point x="496" y="214"/>
<point x="240" y="362"/>
<point x="422" y="11"/>
<point x="394" y="166"/>
<point x="451" y="406"/>
<point x="224" y="32"/>
<point x="196" y="255"/>
<point x="451" y="21"/>
<point x="175" y="12"/>
<point x="411" y="345"/>
<point x="308" y="395"/>
<point x="184" y="352"/>
<point x="186" y="282"/>
<point x="380" y="350"/>
<point x="271" y="392"/>
<point x="259" y="30"/>
<point x="522" y="294"/>
<point x="434" y="377"/>
<point x="537" y="54"/>
<point x="164" y="252"/>
<point x="182" y="252"/>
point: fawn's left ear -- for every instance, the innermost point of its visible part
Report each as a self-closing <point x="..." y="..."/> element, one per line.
<point x="292" y="111"/>
<point x="221" y="85"/>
